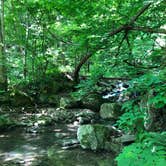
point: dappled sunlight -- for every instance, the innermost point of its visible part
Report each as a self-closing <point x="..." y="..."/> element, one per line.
<point x="30" y="137"/>
<point x="26" y="158"/>
<point x="47" y="147"/>
<point x="72" y="127"/>
<point x="23" y="154"/>
<point x="57" y="130"/>
<point x="4" y="136"/>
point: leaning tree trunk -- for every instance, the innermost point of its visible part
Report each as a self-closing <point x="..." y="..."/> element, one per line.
<point x="78" y="67"/>
<point x="123" y="28"/>
<point x="3" y="72"/>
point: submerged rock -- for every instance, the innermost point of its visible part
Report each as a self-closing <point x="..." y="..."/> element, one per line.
<point x="70" y="143"/>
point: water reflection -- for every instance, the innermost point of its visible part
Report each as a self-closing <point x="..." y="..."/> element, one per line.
<point x="18" y="148"/>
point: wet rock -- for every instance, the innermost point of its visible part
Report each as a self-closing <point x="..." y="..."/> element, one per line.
<point x="93" y="136"/>
<point x="111" y="146"/>
<point x="126" y="139"/>
<point x="4" y="98"/>
<point x="110" y="110"/>
<point x="69" y="142"/>
<point x="70" y="147"/>
<point x="61" y="135"/>
<point x="63" y="116"/>
<point x="86" y="116"/>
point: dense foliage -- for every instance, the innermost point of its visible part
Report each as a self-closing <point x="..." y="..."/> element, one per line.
<point x="149" y="151"/>
<point x="92" y="40"/>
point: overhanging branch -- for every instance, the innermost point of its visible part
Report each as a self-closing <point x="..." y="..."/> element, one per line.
<point x="139" y="13"/>
<point x="149" y="30"/>
<point x="126" y="27"/>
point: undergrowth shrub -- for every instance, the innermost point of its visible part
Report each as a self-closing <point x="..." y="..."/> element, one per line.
<point x="150" y="150"/>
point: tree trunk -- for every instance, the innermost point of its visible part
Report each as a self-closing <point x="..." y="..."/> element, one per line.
<point x="25" y="67"/>
<point x="3" y="71"/>
<point x="78" y="67"/>
<point x="126" y="27"/>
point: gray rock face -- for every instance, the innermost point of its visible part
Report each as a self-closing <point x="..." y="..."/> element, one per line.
<point x="110" y="110"/>
<point x="86" y="116"/>
<point x="93" y="137"/>
<point x="126" y="138"/>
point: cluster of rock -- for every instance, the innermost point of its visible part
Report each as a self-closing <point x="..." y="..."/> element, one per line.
<point x="100" y="136"/>
<point x="77" y="116"/>
<point x="96" y="137"/>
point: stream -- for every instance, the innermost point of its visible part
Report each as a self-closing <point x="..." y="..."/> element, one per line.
<point x="21" y="148"/>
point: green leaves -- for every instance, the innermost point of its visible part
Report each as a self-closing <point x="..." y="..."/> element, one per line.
<point x="151" y="151"/>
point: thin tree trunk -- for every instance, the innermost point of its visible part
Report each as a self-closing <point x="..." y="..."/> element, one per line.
<point x="3" y="71"/>
<point x="25" y="68"/>
<point x="33" y="61"/>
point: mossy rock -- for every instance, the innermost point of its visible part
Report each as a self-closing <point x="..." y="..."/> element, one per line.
<point x="93" y="137"/>
<point x="63" y="116"/>
<point x="69" y="102"/>
<point x="110" y="110"/>
<point x="49" y="99"/>
<point x="92" y="102"/>
<point x="21" y="99"/>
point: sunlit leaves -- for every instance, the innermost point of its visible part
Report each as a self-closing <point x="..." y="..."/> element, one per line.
<point x="151" y="151"/>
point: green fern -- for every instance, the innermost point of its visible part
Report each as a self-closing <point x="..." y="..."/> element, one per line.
<point x="151" y="151"/>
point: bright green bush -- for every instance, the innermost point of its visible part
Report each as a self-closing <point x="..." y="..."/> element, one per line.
<point x="151" y="151"/>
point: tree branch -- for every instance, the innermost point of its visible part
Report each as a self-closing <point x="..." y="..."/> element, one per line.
<point x="120" y="44"/>
<point x="148" y="29"/>
<point x="126" y="27"/>
<point x="139" y="13"/>
<point x="139" y="66"/>
<point x="57" y="38"/>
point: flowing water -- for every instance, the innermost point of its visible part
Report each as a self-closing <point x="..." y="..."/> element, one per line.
<point x="43" y="148"/>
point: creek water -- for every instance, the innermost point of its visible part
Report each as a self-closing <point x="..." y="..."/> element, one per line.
<point x="21" y="148"/>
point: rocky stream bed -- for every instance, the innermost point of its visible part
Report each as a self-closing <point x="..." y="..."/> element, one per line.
<point x="39" y="139"/>
<point x="47" y="146"/>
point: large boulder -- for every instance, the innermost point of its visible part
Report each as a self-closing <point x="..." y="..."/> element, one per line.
<point x="19" y="98"/>
<point x="110" y="110"/>
<point x="49" y="99"/>
<point x="63" y="116"/>
<point x="69" y="102"/>
<point x="93" y="137"/>
<point x="92" y="102"/>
